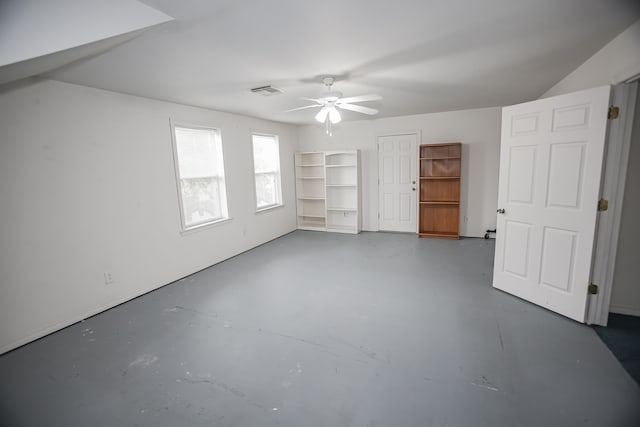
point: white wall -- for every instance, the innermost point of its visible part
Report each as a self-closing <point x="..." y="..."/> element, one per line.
<point x="625" y="296"/>
<point x="614" y="63"/>
<point x="32" y="28"/>
<point x="478" y="130"/>
<point x="87" y="186"/>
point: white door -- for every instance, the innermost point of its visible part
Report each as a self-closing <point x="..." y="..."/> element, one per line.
<point x="397" y="182"/>
<point x="551" y="159"/>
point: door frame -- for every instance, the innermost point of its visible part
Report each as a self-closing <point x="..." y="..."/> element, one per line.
<point x="418" y="134"/>
<point x="624" y="95"/>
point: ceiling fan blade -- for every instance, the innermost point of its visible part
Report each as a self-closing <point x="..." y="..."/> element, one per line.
<point x="358" y="109"/>
<point x="303" y="108"/>
<point x="361" y="98"/>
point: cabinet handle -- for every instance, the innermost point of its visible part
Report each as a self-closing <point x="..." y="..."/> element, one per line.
<point x="501" y="211"/>
<point x="414" y="189"/>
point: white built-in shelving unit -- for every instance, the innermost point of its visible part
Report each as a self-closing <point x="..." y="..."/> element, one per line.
<point x="310" y="191"/>
<point x="328" y="191"/>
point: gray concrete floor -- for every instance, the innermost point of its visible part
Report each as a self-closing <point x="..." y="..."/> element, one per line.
<point x="319" y="329"/>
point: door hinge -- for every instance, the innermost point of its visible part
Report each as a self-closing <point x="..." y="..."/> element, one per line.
<point x="592" y="289"/>
<point x="613" y="113"/>
<point x="603" y="205"/>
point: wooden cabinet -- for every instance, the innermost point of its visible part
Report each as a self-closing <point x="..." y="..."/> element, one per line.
<point x="439" y="196"/>
<point x="328" y="191"/>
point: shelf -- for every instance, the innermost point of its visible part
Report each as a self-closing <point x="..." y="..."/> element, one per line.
<point x="311" y="165"/>
<point x="342" y="228"/>
<point x="342" y="185"/>
<point x="311" y="198"/>
<point x="439" y="177"/>
<point x="440" y="203"/>
<point x="311" y="216"/>
<point x="441" y="234"/>
<point x="342" y="209"/>
<point x="440" y="158"/>
<point x="341" y="166"/>
<point x="311" y="177"/>
<point x="312" y="227"/>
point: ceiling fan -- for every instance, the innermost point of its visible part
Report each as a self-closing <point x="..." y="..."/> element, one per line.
<point x="329" y="102"/>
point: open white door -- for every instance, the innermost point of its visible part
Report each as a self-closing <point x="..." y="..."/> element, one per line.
<point x="397" y="156"/>
<point x="551" y="158"/>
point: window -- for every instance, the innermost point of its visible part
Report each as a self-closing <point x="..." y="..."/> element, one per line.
<point x="266" y="166"/>
<point x="200" y="171"/>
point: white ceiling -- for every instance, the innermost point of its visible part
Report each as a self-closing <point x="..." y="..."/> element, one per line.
<point x="420" y="55"/>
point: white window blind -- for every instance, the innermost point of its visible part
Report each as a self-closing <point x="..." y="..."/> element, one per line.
<point x="266" y="163"/>
<point x="200" y="169"/>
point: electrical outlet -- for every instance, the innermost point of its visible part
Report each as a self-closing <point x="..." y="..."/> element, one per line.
<point x="108" y="278"/>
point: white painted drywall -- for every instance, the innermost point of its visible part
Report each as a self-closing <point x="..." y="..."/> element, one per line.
<point x="478" y="130"/>
<point x="87" y="186"/>
<point x="614" y="63"/>
<point x="33" y="28"/>
<point x="625" y="296"/>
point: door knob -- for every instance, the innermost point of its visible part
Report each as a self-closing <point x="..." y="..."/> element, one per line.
<point x="500" y="211"/>
<point x="414" y="189"/>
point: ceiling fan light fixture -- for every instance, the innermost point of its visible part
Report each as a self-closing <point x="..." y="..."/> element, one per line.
<point x="334" y="115"/>
<point x="322" y="115"/>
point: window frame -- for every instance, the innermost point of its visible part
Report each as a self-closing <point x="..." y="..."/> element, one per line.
<point x="218" y="179"/>
<point x="280" y="202"/>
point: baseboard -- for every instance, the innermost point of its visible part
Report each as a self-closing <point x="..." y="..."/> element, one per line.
<point x="630" y="311"/>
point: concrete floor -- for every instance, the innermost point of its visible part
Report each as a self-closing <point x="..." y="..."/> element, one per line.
<point x="319" y="329"/>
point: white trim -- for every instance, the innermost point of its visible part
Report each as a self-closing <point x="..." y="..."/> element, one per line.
<point x="628" y="75"/>
<point x="174" y="146"/>
<point x="614" y="178"/>
<point x="405" y="132"/>
<point x="278" y="173"/>
<point x="268" y="208"/>
<point x="176" y="174"/>
<point x="205" y="225"/>
<point x="418" y="134"/>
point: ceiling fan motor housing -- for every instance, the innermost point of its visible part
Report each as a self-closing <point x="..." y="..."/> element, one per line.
<point x="331" y="96"/>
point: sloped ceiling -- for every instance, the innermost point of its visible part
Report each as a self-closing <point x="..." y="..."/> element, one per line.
<point x="39" y="36"/>
<point x="420" y="55"/>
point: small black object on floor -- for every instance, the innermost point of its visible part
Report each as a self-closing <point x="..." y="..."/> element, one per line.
<point x="622" y="336"/>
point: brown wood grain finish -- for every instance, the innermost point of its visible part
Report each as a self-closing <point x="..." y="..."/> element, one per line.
<point x="442" y="191"/>
<point x="439" y="219"/>
<point x="439" y="167"/>
<point x="439" y="209"/>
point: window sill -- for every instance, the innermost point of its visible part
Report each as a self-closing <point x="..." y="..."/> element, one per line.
<point x="268" y="208"/>
<point x="204" y="226"/>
